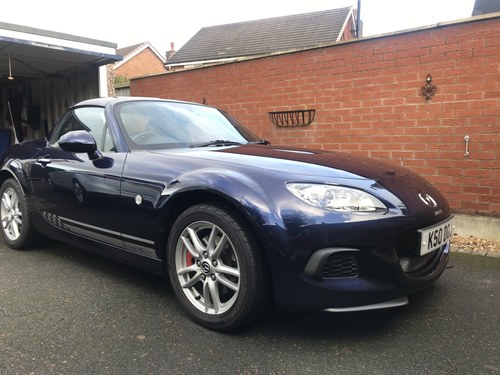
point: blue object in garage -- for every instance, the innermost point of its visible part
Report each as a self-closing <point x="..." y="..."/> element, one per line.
<point x="5" y="135"/>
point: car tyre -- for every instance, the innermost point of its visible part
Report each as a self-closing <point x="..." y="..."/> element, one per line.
<point x="215" y="268"/>
<point x="17" y="229"/>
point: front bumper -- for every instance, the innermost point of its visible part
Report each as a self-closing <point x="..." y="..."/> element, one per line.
<point x="338" y="278"/>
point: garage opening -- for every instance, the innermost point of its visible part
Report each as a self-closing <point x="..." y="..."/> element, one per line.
<point x="42" y="73"/>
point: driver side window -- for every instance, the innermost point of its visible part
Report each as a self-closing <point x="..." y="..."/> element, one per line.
<point x="91" y="119"/>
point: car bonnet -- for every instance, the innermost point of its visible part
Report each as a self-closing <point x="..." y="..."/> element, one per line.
<point x="361" y="166"/>
<point x="409" y="187"/>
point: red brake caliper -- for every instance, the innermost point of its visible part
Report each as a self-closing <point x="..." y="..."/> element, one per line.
<point x="189" y="259"/>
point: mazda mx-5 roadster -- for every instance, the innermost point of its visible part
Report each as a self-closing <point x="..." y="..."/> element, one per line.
<point x="238" y="225"/>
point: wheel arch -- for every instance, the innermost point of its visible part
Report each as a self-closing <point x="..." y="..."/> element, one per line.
<point x="182" y="201"/>
<point x="21" y="235"/>
<point x="13" y="169"/>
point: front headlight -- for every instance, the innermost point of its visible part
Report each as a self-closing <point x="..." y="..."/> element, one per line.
<point x="336" y="198"/>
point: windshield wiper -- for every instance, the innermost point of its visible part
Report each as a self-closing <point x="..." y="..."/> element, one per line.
<point x="216" y="143"/>
<point x="260" y="142"/>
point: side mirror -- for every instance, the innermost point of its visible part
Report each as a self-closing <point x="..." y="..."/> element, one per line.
<point x="79" y="141"/>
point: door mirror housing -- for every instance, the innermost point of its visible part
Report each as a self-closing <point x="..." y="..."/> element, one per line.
<point x="79" y="141"/>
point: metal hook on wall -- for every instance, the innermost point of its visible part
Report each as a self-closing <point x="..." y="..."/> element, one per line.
<point x="466" y="139"/>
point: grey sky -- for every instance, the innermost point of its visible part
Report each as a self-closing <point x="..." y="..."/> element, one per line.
<point x="161" y="22"/>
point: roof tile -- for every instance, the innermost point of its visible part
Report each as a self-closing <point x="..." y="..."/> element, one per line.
<point x="263" y="36"/>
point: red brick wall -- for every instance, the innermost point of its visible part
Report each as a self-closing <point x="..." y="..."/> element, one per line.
<point x="367" y="100"/>
<point x="144" y="63"/>
<point x="349" y="30"/>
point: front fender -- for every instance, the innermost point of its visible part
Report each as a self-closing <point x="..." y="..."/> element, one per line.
<point x="232" y="184"/>
<point x="244" y="191"/>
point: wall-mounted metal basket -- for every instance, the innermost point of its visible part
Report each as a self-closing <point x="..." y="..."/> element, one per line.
<point x="302" y="117"/>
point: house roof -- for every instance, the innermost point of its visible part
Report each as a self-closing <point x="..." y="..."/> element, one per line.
<point x="485" y="6"/>
<point x="124" y="51"/>
<point x="265" y="36"/>
<point x="132" y="51"/>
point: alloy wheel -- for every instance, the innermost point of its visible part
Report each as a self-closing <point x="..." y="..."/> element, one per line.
<point x="207" y="268"/>
<point x="11" y="215"/>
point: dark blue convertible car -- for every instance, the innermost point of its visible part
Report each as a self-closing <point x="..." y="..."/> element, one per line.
<point x="237" y="224"/>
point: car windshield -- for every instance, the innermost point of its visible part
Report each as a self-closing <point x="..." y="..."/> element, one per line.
<point x="158" y="124"/>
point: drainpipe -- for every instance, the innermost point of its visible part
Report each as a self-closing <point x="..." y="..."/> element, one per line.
<point x="358" y="20"/>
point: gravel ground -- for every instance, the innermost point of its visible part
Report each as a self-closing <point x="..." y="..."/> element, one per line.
<point x="475" y="245"/>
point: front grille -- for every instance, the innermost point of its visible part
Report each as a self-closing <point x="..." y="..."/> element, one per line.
<point x="340" y="265"/>
<point x="407" y="245"/>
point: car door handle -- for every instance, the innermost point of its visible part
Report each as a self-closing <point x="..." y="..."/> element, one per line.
<point x="43" y="161"/>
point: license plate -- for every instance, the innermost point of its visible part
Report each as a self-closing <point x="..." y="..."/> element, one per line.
<point x="434" y="237"/>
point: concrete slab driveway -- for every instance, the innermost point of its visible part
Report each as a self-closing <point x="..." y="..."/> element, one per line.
<point x="65" y="311"/>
